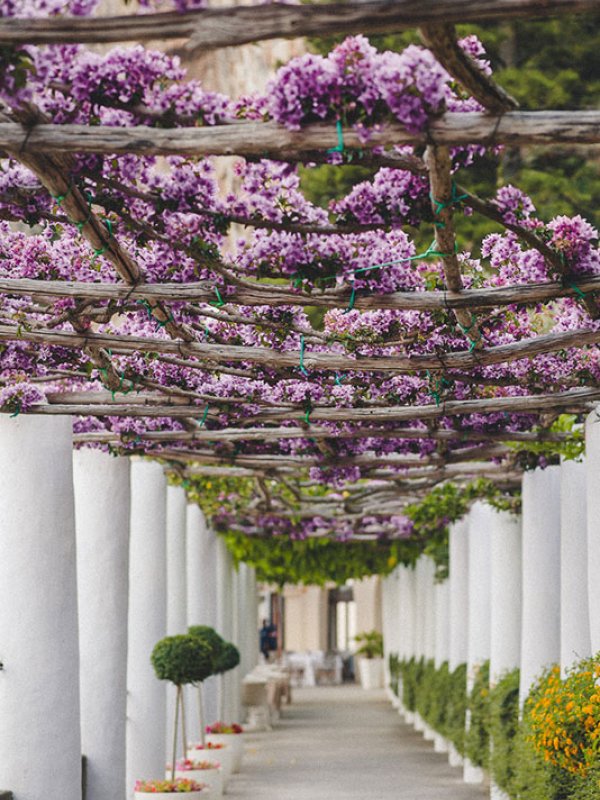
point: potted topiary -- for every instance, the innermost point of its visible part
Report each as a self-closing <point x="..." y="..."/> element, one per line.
<point x="181" y="660"/>
<point x="215" y="644"/>
<point x="371" y="664"/>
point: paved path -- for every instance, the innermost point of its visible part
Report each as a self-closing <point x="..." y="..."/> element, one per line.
<point x="344" y="743"/>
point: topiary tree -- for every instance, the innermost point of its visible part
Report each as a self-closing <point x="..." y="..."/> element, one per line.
<point x="228" y="659"/>
<point x="215" y="643"/>
<point x="181" y="660"/>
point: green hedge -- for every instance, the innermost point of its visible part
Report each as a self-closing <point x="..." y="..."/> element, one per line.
<point x="497" y="740"/>
<point x="477" y="738"/>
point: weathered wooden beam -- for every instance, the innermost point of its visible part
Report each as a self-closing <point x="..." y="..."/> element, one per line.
<point x="270" y="140"/>
<point x="265" y="295"/>
<point x="574" y="399"/>
<point x="262" y="356"/>
<point x="267" y="434"/>
<point x="229" y="26"/>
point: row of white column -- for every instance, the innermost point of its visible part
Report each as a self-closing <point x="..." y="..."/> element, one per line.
<point x="99" y="559"/>
<point x="522" y="592"/>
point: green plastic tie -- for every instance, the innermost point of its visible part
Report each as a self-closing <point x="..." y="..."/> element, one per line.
<point x="204" y="416"/>
<point x="17" y="411"/>
<point x="571" y="284"/>
<point x="219" y="302"/>
<point x="308" y="413"/>
<point x="338" y="379"/>
<point x="339" y="148"/>
<point x="351" y="301"/>
<point x="59" y="198"/>
<point x="303" y="369"/>
<point x="431" y="251"/>
<point x="455" y="199"/>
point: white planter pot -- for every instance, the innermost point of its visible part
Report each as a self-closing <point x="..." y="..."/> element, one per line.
<point x="200" y="795"/>
<point x="371" y="673"/>
<point x="213" y="778"/>
<point x="223" y="756"/>
<point x="235" y="741"/>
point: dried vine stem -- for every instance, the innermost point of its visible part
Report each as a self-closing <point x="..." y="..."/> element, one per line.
<point x="270" y="140"/>
<point x="437" y="161"/>
<point x="230" y="26"/>
<point x="441" y="40"/>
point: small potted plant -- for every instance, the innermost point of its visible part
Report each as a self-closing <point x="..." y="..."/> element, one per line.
<point x="206" y="772"/>
<point x="215" y="752"/>
<point x="229" y="734"/>
<point x="371" y="664"/>
<point x="215" y="644"/>
<point x="166" y="789"/>
<point x="181" y="660"/>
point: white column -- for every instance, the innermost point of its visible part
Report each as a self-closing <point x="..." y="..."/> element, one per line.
<point x="202" y="597"/>
<point x="505" y="650"/>
<point x="40" y="743"/>
<point x="540" y="630"/>
<point x="481" y="518"/>
<point x="442" y="643"/>
<point x="176" y="561"/>
<point x="574" y="610"/>
<point x="176" y="593"/>
<point x="459" y="606"/>
<point x="592" y="446"/>
<point x="146" y="698"/>
<point x="102" y="516"/>
<point x="408" y="608"/>
<point x="225" y="610"/>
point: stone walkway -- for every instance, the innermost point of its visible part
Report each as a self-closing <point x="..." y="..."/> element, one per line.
<point x="344" y="743"/>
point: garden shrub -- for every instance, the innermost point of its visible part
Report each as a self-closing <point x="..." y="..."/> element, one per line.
<point x="456" y="708"/>
<point x="477" y="737"/>
<point x="504" y="725"/>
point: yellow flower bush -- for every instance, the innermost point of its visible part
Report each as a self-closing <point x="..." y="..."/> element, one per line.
<point x="564" y="717"/>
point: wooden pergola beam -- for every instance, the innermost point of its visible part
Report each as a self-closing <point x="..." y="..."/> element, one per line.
<point x="574" y="399"/>
<point x="261" y="356"/>
<point x="230" y="26"/>
<point x="265" y="295"/>
<point x="271" y="140"/>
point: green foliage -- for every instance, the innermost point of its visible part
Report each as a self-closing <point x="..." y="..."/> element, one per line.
<point x="211" y="640"/>
<point x="572" y="449"/>
<point x="228" y="658"/>
<point x="446" y="504"/>
<point x="456" y="708"/>
<point x="503" y="726"/>
<point x="394" y="668"/>
<point x="477" y="738"/>
<point x="182" y="659"/>
<point x="371" y="644"/>
<point x="316" y="561"/>
<point x="544" y="64"/>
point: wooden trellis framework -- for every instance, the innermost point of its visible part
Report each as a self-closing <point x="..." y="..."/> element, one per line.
<point x="47" y="150"/>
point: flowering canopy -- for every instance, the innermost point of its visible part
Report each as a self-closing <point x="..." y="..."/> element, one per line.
<point x="130" y="299"/>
